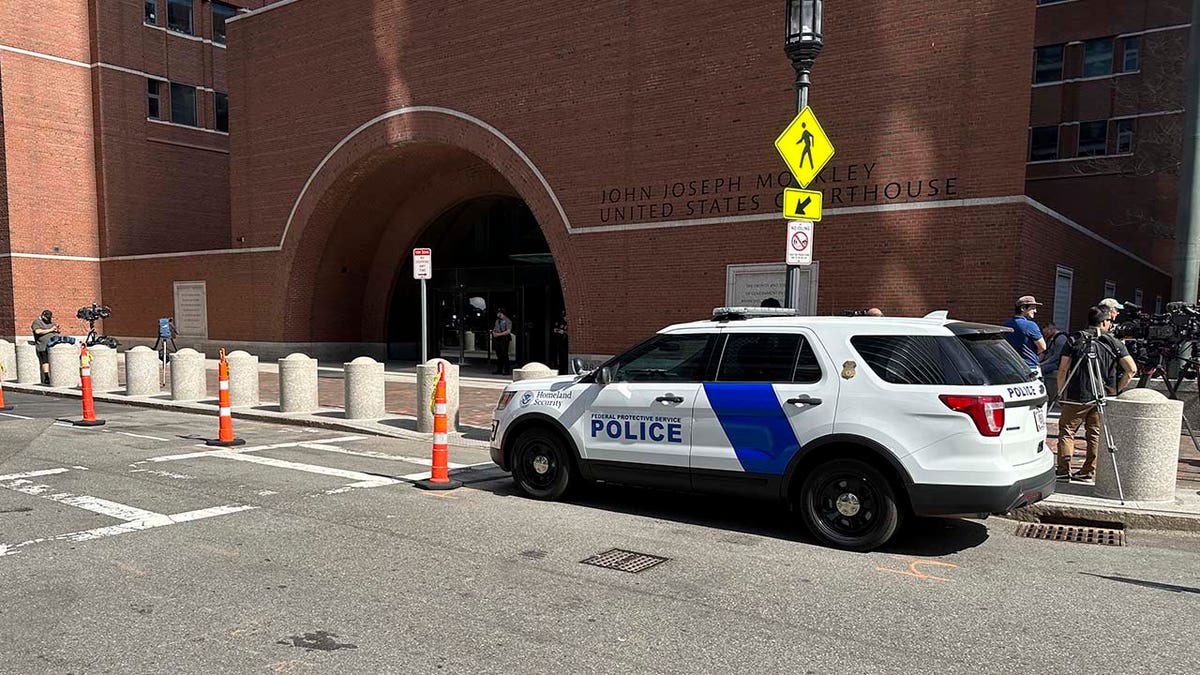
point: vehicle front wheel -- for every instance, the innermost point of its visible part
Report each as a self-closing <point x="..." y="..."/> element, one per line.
<point x="541" y="466"/>
<point x="848" y="504"/>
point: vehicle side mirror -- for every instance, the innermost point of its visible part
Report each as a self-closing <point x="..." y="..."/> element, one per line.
<point x="577" y="365"/>
<point x="604" y="376"/>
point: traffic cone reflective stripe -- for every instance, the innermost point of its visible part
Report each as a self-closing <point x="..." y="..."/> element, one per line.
<point x="85" y="382"/>
<point x="439" y="475"/>
<point x="225" y="437"/>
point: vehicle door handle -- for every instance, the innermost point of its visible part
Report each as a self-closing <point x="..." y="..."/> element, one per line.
<point x="804" y="400"/>
<point x="669" y="398"/>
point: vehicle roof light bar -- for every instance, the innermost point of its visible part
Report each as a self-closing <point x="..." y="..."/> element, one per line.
<point x="741" y="313"/>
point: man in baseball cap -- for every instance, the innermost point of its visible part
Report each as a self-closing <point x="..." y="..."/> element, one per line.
<point x="1112" y="306"/>
<point x="1026" y="337"/>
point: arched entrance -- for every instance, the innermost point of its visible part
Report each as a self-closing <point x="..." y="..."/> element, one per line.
<point x="489" y="253"/>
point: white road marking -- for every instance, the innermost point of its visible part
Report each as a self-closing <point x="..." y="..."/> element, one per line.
<point x="34" y="474"/>
<point x="266" y="493"/>
<point x="251" y="448"/>
<point x="156" y="520"/>
<point x="85" y="502"/>
<point x="153" y="438"/>
<point x="419" y="461"/>
<point x="364" y="480"/>
<point x="164" y="474"/>
<point x="15" y="416"/>
<point x="426" y="476"/>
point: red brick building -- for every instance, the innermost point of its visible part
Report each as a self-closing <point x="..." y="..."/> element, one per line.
<point x="1107" y="124"/>
<point x="611" y="159"/>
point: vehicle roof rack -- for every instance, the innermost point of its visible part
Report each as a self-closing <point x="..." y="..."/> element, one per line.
<point x="743" y="313"/>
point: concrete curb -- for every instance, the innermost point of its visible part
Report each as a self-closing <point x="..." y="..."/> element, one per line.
<point x="1132" y="518"/>
<point x="318" y="420"/>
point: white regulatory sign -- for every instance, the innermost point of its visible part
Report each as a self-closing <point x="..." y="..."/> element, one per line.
<point x="799" y="242"/>
<point x="422" y="263"/>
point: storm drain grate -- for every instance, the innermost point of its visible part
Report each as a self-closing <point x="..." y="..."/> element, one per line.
<point x="1084" y="535"/>
<point x="625" y="561"/>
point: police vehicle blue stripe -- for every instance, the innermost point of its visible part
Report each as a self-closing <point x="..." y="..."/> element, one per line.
<point x="755" y="425"/>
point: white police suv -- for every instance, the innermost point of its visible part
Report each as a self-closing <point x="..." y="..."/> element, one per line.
<point x="853" y="421"/>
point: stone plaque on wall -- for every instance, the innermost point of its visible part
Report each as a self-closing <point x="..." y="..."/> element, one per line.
<point x="191" y="309"/>
<point x="753" y="284"/>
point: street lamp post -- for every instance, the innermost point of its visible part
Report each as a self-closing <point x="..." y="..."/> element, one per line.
<point x="802" y="43"/>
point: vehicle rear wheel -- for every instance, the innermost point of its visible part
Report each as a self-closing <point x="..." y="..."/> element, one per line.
<point x="849" y="504"/>
<point x="541" y="465"/>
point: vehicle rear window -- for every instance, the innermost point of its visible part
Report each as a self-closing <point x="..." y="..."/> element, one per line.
<point x="975" y="359"/>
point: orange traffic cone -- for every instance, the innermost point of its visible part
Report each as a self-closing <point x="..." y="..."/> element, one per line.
<point x="225" y="437"/>
<point x="439" y="476"/>
<point x="85" y="379"/>
<point x="3" y="407"/>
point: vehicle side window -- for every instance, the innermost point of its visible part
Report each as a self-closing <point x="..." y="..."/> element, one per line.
<point x="919" y="359"/>
<point x="808" y="369"/>
<point x="666" y="358"/>
<point x="755" y="357"/>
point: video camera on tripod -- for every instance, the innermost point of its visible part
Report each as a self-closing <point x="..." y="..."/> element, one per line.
<point x="1154" y="340"/>
<point x="91" y="315"/>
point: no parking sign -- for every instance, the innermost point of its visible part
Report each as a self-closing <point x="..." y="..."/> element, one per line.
<point x="799" y="242"/>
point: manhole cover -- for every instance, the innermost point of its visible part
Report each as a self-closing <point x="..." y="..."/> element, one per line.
<point x="1084" y="535"/>
<point x="625" y="561"/>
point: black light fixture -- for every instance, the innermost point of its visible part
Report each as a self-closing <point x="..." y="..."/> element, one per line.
<point x="803" y="41"/>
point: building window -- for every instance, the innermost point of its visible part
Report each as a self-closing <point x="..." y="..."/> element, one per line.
<point x="1125" y="136"/>
<point x="222" y="112"/>
<point x="1131" y="49"/>
<point x="1093" y="138"/>
<point x="1097" y="57"/>
<point x="1064" y="279"/>
<point x="1158" y="304"/>
<point x="154" y="99"/>
<point x="1043" y="143"/>
<point x="1110" y="289"/>
<point x="221" y="14"/>
<point x="1048" y="64"/>
<point x="1137" y="297"/>
<point x="179" y="15"/>
<point x="151" y="12"/>
<point x="183" y="104"/>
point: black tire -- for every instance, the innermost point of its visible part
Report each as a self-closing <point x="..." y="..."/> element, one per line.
<point x="541" y="464"/>
<point x="848" y="504"/>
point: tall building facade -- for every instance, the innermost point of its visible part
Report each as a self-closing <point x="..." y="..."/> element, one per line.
<point x="114" y="141"/>
<point x="1106" y="125"/>
<point x="610" y="160"/>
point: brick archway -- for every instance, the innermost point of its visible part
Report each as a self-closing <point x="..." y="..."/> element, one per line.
<point x="360" y="210"/>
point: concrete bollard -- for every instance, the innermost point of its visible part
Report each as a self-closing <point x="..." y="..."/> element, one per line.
<point x="243" y="379"/>
<point x="141" y="372"/>
<point x="297" y="384"/>
<point x="1145" y="426"/>
<point x="533" y="371"/>
<point x="427" y="377"/>
<point x="64" y="365"/>
<point x="29" y="369"/>
<point x="104" y="369"/>
<point x="187" y="375"/>
<point x="8" y="360"/>
<point x="364" y="389"/>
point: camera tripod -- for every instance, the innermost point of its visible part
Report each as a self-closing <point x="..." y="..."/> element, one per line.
<point x="1159" y="370"/>
<point x="1099" y="399"/>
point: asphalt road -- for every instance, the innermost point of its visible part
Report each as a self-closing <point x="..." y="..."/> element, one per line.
<point x="127" y="549"/>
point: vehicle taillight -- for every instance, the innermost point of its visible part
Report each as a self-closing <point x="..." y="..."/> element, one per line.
<point x="986" y="411"/>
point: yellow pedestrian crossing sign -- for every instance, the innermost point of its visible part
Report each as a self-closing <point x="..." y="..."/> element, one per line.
<point x="804" y="147"/>
<point x="801" y="204"/>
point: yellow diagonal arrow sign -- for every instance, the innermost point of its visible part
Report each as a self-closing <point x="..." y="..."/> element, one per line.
<point x="801" y="204"/>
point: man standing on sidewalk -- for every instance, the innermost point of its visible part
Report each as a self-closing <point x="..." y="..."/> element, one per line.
<point x="1077" y="395"/>
<point x="43" y="329"/>
<point x="1026" y="337"/>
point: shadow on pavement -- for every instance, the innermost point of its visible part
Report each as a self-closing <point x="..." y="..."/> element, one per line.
<point x="919" y="537"/>
<point x="1147" y="584"/>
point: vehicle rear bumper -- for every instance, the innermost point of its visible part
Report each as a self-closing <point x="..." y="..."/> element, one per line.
<point x="969" y="500"/>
